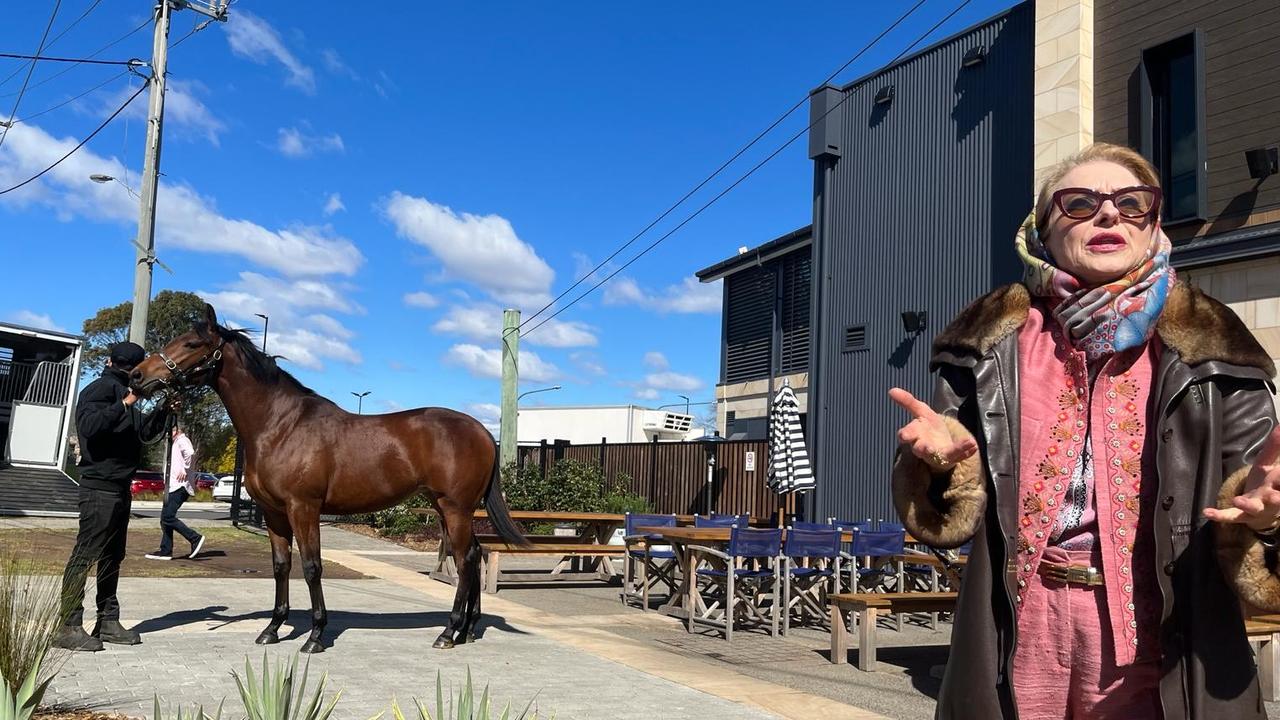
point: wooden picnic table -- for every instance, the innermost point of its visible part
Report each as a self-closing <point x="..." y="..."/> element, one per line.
<point x="585" y="555"/>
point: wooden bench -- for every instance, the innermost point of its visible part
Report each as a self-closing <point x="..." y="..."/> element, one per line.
<point x="1264" y="632"/>
<point x="491" y="560"/>
<point x="870" y="606"/>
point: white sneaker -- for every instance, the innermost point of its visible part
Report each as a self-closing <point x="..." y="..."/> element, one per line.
<point x="196" y="548"/>
<point x="157" y="556"/>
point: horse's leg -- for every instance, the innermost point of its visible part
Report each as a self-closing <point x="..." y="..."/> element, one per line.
<point x="458" y="525"/>
<point x="473" y="597"/>
<point x="281" y="562"/>
<point x="306" y="528"/>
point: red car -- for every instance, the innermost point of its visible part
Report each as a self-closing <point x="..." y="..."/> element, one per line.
<point x="147" y="481"/>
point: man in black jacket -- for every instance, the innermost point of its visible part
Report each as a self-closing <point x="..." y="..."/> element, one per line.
<point x="112" y="431"/>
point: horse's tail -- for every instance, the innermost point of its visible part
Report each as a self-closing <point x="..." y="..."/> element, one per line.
<point x="496" y="505"/>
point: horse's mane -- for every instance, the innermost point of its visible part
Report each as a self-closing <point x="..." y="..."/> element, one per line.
<point x="261" y="366"/>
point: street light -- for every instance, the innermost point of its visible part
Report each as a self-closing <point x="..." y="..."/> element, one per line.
<point x="100" y="179"/>
<point x="360" y="400"/>
<point x="530" y="392"/>
<point x="686" y="402"/>
<point x="266" y="321"/>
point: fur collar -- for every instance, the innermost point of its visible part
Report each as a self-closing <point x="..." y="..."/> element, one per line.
<point x="1198" y="327"/>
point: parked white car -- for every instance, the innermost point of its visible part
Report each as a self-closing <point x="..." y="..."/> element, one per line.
<point x="225" y="486"/>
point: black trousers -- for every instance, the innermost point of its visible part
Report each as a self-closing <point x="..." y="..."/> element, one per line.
<point x="104" y="528"/>
<point x="169" y="521"/>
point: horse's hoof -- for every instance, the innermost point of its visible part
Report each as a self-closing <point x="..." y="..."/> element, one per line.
<point x="267" y="638"/>
<point x="471" y="638"/>
<point x="442" y="643"/>
<point x="312" y="646"/>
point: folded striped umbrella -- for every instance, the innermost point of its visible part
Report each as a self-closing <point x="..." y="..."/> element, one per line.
<point x="789" y="469"/>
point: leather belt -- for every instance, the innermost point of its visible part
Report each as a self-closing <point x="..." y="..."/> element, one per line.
<point x="1071" y="574"/>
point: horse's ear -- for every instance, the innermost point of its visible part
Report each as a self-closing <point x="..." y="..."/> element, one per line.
<point x="210" y="316"/>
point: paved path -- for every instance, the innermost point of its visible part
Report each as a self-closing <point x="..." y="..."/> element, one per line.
<point x="196" y="631"/>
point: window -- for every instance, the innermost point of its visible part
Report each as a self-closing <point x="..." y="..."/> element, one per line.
<point x="750" y="317"/>
<point x="748" y="325"/>
<point x="794" y="317"/>
<point x="1173" y="127"/>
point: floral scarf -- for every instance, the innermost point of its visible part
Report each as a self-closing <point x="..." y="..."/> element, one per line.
<point x="1106" y="319"/>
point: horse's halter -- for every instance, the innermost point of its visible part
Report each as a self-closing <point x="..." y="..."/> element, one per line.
<point x="179" y="378"/>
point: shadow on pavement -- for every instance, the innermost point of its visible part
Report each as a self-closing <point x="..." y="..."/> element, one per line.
<point x="339" y="621"/>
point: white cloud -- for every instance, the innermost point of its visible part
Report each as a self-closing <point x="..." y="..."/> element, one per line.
<point x="480" y="249"/>
<point x="647" y="394"/>
<point x="484" y="322"/>
<point x="420" y="300"/>
<point x="185" y="114"/>
<point x="390" y="406"/>
<point x="303" y="337"/>
<point x="656" y="360"/>
<point x="475" y="322"/>
<point x="292" y="142"/>
<point x="39" y="321"/>
<point x="488" y="414"/>
<point x="333" y="204"/>
<point x="587" y="363"/>
<point x="690" y="296"/>
<point x="487" y="363"/>
<point x="185" y="219"/>
<point x="564" y="334"/>
<point x="336" y="65"/>
<point x="672" y="381"/>
<point x="253" y="39"/>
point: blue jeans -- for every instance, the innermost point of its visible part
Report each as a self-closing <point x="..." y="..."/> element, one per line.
<point x="169" y="521"/>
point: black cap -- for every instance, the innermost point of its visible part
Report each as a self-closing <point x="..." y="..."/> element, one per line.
<point x="127" y="354"/>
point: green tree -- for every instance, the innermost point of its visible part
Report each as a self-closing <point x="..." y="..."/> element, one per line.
<point x="171" y="314"/>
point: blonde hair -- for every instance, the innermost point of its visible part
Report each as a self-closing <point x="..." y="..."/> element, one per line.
<point x="1125" y="157"/>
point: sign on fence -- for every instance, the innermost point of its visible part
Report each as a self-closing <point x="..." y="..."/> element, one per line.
<point x="750" y="461"/>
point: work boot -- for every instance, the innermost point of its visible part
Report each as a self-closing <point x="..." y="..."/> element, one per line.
<point x="113" y="632"/>
<point x="73" y="637"/>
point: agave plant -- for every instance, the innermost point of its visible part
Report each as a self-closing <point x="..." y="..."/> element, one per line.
<point x="463" y="707"/>
<point x="275" y="697"/>
<point x="30" y="613"/>
<point x="181" y="713"/>
<point x="21" y="704"/>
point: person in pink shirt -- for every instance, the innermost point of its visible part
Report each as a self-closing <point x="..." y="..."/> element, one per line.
<point x="1106" y="438"/>
<point x="182" y="486"/>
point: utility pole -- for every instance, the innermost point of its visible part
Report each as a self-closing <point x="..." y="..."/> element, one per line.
<point x="510" y="383"/>
<point x="146" y="256"/>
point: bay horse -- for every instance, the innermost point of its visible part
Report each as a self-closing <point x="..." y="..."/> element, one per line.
<point x="304" y="456"/>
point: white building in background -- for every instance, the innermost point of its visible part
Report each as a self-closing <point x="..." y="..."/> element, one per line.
<point x="615" y="423"/>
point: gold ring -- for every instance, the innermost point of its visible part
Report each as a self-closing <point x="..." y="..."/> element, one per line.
<point x="938" y="460"/>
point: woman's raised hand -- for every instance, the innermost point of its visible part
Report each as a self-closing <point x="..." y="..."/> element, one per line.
<point x="1258" y="505"/>
<point x="928" y="436"/>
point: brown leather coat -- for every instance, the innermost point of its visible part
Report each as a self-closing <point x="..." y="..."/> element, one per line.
<point x="1211" y="409"/>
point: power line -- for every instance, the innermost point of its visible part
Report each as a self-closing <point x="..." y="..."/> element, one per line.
<point x="104" y="83"/>
<point x="93" y="54"/>
<point x="724" y="165"/>
<point x="57" y="37"/>
<point x="57" y="4"/>
<point x="748" y="174"/>
<point x="77" y="61"/>
<point x="72" y="151"/>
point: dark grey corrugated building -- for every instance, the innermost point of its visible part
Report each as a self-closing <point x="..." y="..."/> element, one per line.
<point x="922" y="175"/>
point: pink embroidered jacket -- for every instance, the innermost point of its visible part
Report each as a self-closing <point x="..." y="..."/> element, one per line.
<point x="1057" y="412"/>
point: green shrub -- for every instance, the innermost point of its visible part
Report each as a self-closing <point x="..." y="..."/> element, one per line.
<point x="620" y="499"/>
<point x="275" y="697"/>
<point x="462" y="707"/>
<point x="30" y="616"/>
<point x="181" y="713"/>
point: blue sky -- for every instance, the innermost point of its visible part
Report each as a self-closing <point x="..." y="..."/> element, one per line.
<point x="383" y="183"/>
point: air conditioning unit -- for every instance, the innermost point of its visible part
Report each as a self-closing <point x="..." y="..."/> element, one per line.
<point x="666" y="423"/>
